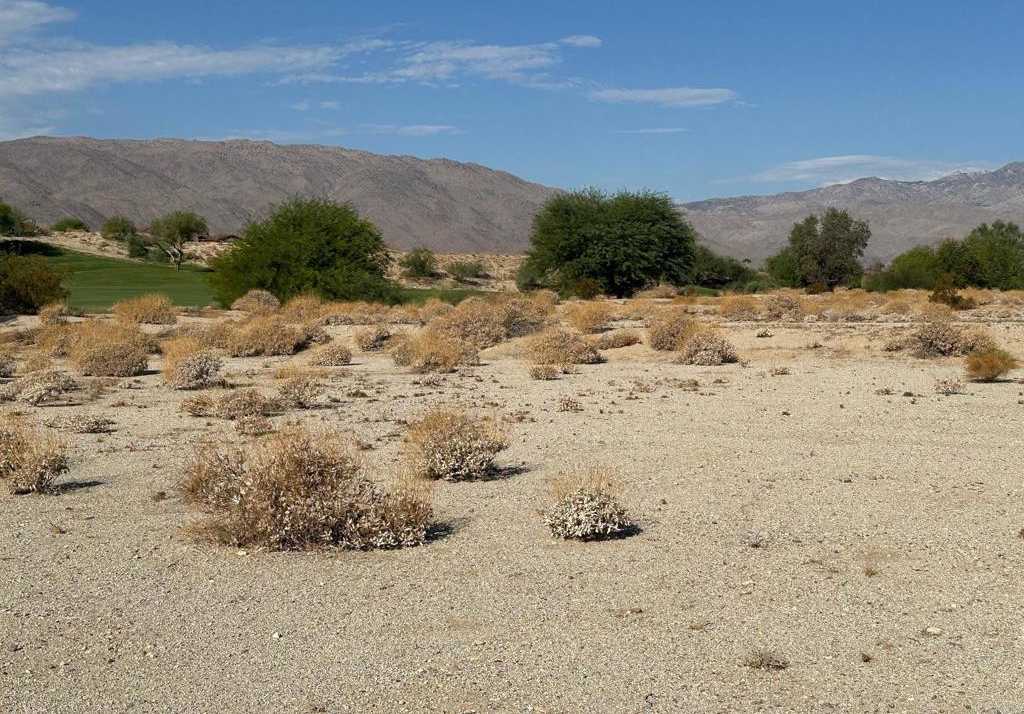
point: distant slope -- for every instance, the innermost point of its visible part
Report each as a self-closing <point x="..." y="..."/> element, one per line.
<point x="441" y="204"/>
<point x="902" y="214"/>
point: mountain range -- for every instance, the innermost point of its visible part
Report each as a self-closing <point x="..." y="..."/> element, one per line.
<point x="444" y="205"/>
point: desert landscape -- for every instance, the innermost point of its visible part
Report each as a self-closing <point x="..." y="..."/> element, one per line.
<point x="830" y="521"/>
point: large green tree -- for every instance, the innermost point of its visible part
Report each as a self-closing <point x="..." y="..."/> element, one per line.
<point x="823" y="252"/>
<point x="619" y="242"/>
<point x="307" y="245"/>
<point x="174" y="230"/>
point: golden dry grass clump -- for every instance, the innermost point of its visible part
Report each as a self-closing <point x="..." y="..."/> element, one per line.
<point x="450" y="444"/>
<point x="300" y="392"/>
<point x="668" y="328"/>
<point x="543" y="372"/>
<point x="485" y="323"/>
<point x="296" y="490"/>
<point x="429" y="351"/>
<point x="187" y="365"/>
<point x="586" y="507"/>
<point x="783" y="305"/>
<point x="739" y="307"/>
<point x="332" y="355"/>
<point x="303" y="308"/>
<point x="54" y="313"/>
<point x="940" y="338"/>
<point x="257" y="301"/>
<point x="30" y="461"/>
<point x="39" y="388"/>
<point x="989" y="365"/>
<point x="152" y="309"/>
<point x="372" y="339"/>
<point x="106" y="349"/>
<point x="707" y="348"/>
<point x="266" y="336"/>
<point x="8" y="365"/>
<point x="559" y="346"/>
<point x="617" y="339"/>
<point x="589" y="317"/>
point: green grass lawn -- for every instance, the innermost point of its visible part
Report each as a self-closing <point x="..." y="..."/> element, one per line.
<point x="96" y="283"/>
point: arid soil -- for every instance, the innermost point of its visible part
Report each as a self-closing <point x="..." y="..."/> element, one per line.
<point x="843" y="515"/>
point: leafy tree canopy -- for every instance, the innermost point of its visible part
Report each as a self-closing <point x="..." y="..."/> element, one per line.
<point x="822" y="252"/>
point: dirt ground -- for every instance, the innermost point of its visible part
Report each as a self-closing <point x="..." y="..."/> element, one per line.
<point x="889" y="571"/>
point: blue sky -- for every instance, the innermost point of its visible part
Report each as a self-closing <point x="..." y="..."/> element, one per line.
<point x="696" y="99"/>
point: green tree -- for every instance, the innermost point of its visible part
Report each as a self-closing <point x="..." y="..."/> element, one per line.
<point x="825" y="251"/>
<point x="994" y="257"/>
<point x="70" y="223"/>
<point x="467" y="270"/>
<point x="118" y="228"/>
<point x="419" y="263"/>
<point x="623" y="242"/>
<point x="711" y="270"/>
<point x="175" y="230"/>
<point x="307" y="245"/>
<point x="27" y="282"/>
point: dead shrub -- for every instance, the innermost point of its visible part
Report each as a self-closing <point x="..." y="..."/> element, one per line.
<point x="372" y="339"/>
<point x="707" y="348"/>
<point x="151" y="309"/>
<point x="295" y="490"/>
<point x="30" y="461"/>
<point x="617" y="339"/>
<point x="669" y="327"/>
<point x="333" y="355"/>
<point x="303" y="308"/>
<point x="589" y="317"/>
<point x="53" y="313"/>
<point x="302" y="392"/>
<point x="559" y="346"/>
<point x="989" y="365"/>
<point x="83" y="424"/>
<point x="244" y="402"/>
<point x="429" y="351"/>
<point x="586" y="508"/>
<point x="105" y="349"/>
<point x="739" y="307"/>
<point x="57" y="339"/>
<point x="199" y="405"/>
<point x="783" y="306"/>
<point x="40" y="388"/>
<point x="658" y="292"/>
<point x="948" y="387"/>
<point x="265" y="336"/>
<point x="543" y="372"/>
<point x="8" y="365"/>
<point x="188" y="366"/>
<point x="450" y="444"/>
<point x="257" y="301"/>
<point x="253" y="425"/>
<point x="485" y="323"/>
<point x="766" y="659"/>
<point x="944" y="339"/>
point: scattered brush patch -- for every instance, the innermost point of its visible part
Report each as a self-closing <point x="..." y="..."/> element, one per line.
<point x="254" y="425"/>
<point x="40" y="388"/>
<point x="485" y="323"/>
<point x="264" y="336"/>
<point x="948" y="387"/>
<point x="559" y="346"/>
<point x="30" y="461"/>
<point x="586" y="508"/>
<point x="303" y="308"/>
<point x="989" y="365"/>
<point x="152" y="309"/>
<point x="104" y="349"/>
<point x="589" y="317"/>
<point x="332" y="355"/>
<point x="616" y="340"/>
<point x="780" y="371"/>
<point x="766" y="659"/>
<point x="568" y="404"/>
<point x="83" y="424"/>
<point x="938" y="338"/>
<point x="244" y="402"/>
<point x="739" y="307"/>
<point x="451" y="445"/>
<point x="430" y="351"/>
<point x="763" y="333"/>
<point x="783" y="306"/>
<point x="54" y="313"/>
<point x="295" y="490"/>
<point x="8" y="365"/>
<point x="543" y="372"/>
<point x="707" y="348"/>
<point x="302" y="392"/>
<point x="259" y="302"/>
<point x="667" y="329"/>
<point x="188" y="366"/>
<point x="372" y="339"/>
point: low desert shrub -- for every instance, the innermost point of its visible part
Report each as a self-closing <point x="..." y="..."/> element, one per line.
<point x="586" y="508"/>
<point x="242" y="403"/>
<point x="543" y="372"/>
<point x="989" y="365"/>
<point x="939" y="338"/>
<point x="766" y="659"/>
<point x="948" y="387"/>
<point x="254" y="425"/>
<point x="54" y="313"/>
<point x="783" y="306"/>
<point x="30" y="461"/>
<point x="257" y="301"/>
<point x="589" y="317"/>
<point x="300" y="392"/>
<point x="105" y="349"/>
<point x="332" y="355"/>
<point x="429" y="351"/>
<point x="39" y="388"/>
<point x="8" y="365"/>
<point x="146" y="309"/>
<point x="264" y="336"/>
<point x="118" y="228"/>
<point x="466" y="270"/>
<point x="485" y="323"/>
<point x="617" y="339"/>
<point x="372" y="339"/>
<point x="199" y="405"/>
<point x="71" y="223"/>
<point x="188" y="366"/>
<point x="419" y="263"/>
<point x="450" y="444"/>
<point x="707" y="347"/>
<point x="668" y="328"/>
<point x="295" y="490"/>
<point x="303" y="308"/>
<point x="27" y="282"/>
<point x="739" y="307"/>
<point x="559" y="346"/>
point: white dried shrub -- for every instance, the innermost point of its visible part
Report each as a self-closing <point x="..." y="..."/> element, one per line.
<point x="30" y="461"/>
<point x="83" y="424"/>
<point x="940" y="338"/>
<point x="295" y="490"/>
<point x="300" y="392"/>
<point x="617" y="339"/>
<point x="199" y="405"/>
<point x="543" y="372"/>
<point x="332" y="355"/>
<point x="559" y="346"/>
<point x="8" y="365"/>
<point x="586" y="508"/>
<point x="39" y="388"/>
<point x="668" y="328"/>
<point x="257" y="301"/>
<point x="949" y="387"/>
<point x="451" y="445"/>
<point x="199" y="370"/>
<point x="783" y="306"/>
<point x="149" y="309"/>
<point x="707" y="348"/>
<point x="254" y="425"/>
<point x="372" y="339"/>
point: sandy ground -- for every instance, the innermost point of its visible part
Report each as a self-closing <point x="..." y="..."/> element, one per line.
<point x="892" y="578"/>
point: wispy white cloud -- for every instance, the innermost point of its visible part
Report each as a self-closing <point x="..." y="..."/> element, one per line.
<point x="302" y="106"/>
<point x="411" y="129"/>
<point x="581" y="41"/>
<point x="654" y="130"/>
<point x="828" y="170"/>
<point x="18" y="17"/>
<point x="668" y="96"/>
